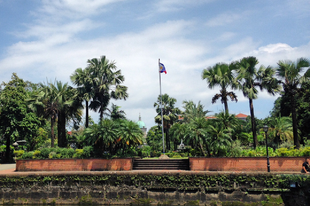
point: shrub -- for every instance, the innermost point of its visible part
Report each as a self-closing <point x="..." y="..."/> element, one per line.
<point x="27" y="155"/>
<point x="19" y="153"/>
<point x="87" y="152"/>
<point x="78" y="153"/>
<point x="36" y="154"/>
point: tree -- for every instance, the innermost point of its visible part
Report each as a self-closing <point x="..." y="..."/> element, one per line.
<point x="83" y="79"/>
<point x="130" y="134"/>
<point x="221" y="75"/>
<point x="106" y="83"/>
<point x="170" y="114"/>
<point x="177" y="132"/>
<point x="219" y="138"/>
<point x="197" y="135"/>
<point x="115" y="113"/>
<point x="249" y="78"/>
<point x="58" y="102"/>
<point x="281" y="129"/>
<point x="192" y="111"/>
<point x="291" y="77"/>
<point x="16" y="121"/>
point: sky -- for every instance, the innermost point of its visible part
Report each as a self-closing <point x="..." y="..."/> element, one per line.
<point x="48" y="40"/>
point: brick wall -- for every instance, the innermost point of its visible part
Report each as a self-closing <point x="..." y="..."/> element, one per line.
<point x="246" y="164"/>
<point x="74" y="165"/>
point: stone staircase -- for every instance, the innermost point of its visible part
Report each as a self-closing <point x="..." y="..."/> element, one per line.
<point x="160" y="164"/>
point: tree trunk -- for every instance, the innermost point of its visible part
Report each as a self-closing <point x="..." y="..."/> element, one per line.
<point x="255" y="141"/>
<point x="86" y="121"/>
<point x="52" y="131"/>
<point x="62" y="136"/>
<point x="7" y="156"/>
<point x="167" y="139"/>
<point x="295" y="133"/>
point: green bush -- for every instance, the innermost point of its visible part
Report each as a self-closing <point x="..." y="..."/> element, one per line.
<point x="19" y="153"/>
<point x="27" y="155"/>
<point x="78" y="153"/>
<point x="87" y="152"/>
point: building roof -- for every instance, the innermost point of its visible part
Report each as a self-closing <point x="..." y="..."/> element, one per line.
<point x="240" y="115"/>
<point x="140" y="123"/>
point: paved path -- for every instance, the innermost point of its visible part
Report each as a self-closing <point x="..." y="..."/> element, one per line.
<point x="7" y="168"/>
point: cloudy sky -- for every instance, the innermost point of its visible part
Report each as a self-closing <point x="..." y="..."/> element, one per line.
<point x="49" y="39"/>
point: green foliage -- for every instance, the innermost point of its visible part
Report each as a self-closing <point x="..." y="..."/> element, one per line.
<point x="19" y="153"/>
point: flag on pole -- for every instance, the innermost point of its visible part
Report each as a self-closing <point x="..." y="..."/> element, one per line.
<point x="162" y="68"/>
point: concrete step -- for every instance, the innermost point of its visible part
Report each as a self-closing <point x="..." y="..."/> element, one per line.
<point x="160" y="164"/>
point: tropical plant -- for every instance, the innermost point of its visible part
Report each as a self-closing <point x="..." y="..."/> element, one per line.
<point x="221" y="75"/>
<point x="249" y="78"/>
<point x="192" y="111"/>
<point x="169" y="114"/>
<point x="291" y="77"/>
<point x="177" y="133"/>
<point x="219" y="138"/>
<point x="106" y="83"/>
<point x="84" y="82"/>
<point x="115" y="113"/>
<point x="281" y="130"/>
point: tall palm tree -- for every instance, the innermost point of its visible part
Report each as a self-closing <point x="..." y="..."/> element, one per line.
<point x="83" y="79"/>
<point x="170" y="114"/>
<point x="106" y="83"/>
<point x="291" y="80"/>
<point x="249" y="78"/>
<point x="221" y="75"/>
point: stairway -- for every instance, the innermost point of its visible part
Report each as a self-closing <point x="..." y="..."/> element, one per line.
<point x="160" y="164"/>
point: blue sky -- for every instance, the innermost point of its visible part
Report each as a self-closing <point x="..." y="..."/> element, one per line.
<point x="49" y="39"/>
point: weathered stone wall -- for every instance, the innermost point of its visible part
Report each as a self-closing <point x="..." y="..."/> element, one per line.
<point x="152" y="187"/>
<point x="246" y="164"/>
<point x="75" y="164"/>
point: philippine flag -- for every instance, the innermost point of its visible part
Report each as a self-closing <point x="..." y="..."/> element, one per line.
<point x="162" y="68"/>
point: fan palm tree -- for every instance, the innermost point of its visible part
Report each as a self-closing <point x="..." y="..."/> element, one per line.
<point x="170" y="114"/>
<point x="84" y="82"/>
<point x="221" y="75"/>
<point x="291" y="77"/>
<point x="249" y="78"/>
<point x="219" y="137"/>
<point x="106" y="83"/>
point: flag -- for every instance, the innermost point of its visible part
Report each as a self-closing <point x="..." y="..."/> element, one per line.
<point x="162" y="68"/>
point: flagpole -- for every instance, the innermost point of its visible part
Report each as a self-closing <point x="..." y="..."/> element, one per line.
<point x="161" y="108"/>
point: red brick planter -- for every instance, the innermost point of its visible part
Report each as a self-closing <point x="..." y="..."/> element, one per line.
<point x="75" y="164"/>
<point x="277" y="164"/>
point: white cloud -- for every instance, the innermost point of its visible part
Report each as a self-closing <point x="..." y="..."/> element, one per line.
<point x="175" y="5"/>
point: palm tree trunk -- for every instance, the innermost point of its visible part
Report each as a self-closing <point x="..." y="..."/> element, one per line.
<point x="255" y="141"/>
<point x="226" y="106"/>
<point x="52" y="131"/>
<point x="62" y="136"/>
<point x="295" y="133"/>
<point x="86" y="121"/>
<point x="7" y="156"/>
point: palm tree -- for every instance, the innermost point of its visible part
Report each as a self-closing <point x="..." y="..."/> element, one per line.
<point x="170" y="114"/>
<point x="281" y="129"/>
<point x="249" y="78"/>
<point x="83" y="79"/>
<point x="58" y="102"/>
<point x="221" y="75"/>
<point x="130" y="134"/>
<point x="192" y="111"/>
<point x="177" y="132"/>
<point x="106" y="83"/>
<point x="102" y="135"/>
<point x="219" y="137"/>
<point x="115" y="112"/>
<point x="290" y="73"/>
<point x="197" y="135"/>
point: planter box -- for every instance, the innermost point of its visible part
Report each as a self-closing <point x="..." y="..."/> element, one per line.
<point x="277" y="164"/>
<point x="74" y="165"/>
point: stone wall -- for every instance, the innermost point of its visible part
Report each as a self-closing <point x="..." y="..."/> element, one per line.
<point x="277" y="164"/>
<point x="74" y="165"/>
<point x="169" y="187"/>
